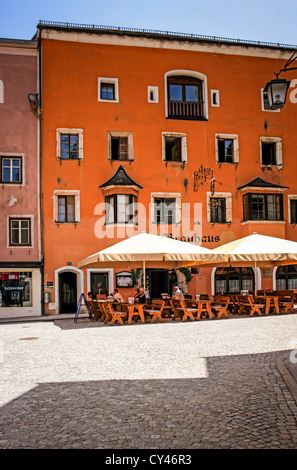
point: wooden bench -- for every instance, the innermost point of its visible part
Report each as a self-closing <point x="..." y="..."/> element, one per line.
<point x="155" y="310"/>
<point x="286" y="300"/>
<point x="220" y="306"/>
<point x="112" y="315"/>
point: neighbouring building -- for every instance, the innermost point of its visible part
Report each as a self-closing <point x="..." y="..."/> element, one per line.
<point x="20" y="239"/>
<point x="141" y="129"/>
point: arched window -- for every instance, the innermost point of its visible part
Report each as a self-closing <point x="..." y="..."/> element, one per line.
<point x="186" y="94"/>
<point x="228" y="280"/>
<point x="286" y="277"/>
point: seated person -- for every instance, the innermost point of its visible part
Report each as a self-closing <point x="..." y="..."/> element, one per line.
<point x="177" y="293"/>
<point x="89" y="297"/>
<point x="140" y="296"/>
<point x="117" y="296"/>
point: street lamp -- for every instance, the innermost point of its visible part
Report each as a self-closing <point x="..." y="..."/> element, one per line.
<point x="276" y="89"/>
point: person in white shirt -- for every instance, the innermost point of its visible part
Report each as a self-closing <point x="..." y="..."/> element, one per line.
<point x="117" y="296"/>
<point x="177" y="293"/>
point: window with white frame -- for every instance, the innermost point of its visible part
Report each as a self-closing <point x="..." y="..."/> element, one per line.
<point x="186" y="95"/>
<point x="153" y="94"/>
<point x="11" y="169"/>
<point x="20" y="231"/>
<point x="292" y="209"/>
<point x="120" y="146"/>
<point x="166" y="208"/>
<point x="227" y="148"/>
<point x="219" y="208"/>
<point x="108" y="90"/>
<point x="121" y="209"/>
<point x="69" y="144"/>
<point x="271" y="151"/>
<point x="66" y="206"/>
<point x="265" y="102"/>
<point x="174" y="147"/>
<point x="215" y="98"/>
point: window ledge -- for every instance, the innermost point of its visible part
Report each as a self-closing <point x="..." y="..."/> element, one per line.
<point x="244" y="222"/>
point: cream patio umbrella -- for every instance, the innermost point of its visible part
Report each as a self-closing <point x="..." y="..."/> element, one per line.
<point x="258" y="250"/>
<point x="146" y="250"/>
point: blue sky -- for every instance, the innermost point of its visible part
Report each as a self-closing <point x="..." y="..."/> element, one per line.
<point x="257" y="20"/>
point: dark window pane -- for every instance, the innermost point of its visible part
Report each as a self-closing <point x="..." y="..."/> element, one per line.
<point x="173" y="149"/>
<point x="107" y="91"/>
<point x="268" y="153"/>
<point x="293" y="210"/>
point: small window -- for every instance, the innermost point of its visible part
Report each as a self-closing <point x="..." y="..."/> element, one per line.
<point x="152" y="94"/>
<point x="293" y="210"/>
<point x="19" y="232"/>
<point x="120" y="146"/>
<point x="66" y="209"/>
<point x="69" y="146"/>
<point x="174" y="147"/>
<point x="66" y="206"/>
<point x="164" y="210"/>
<point x="225" y="151"/>
<point x="108" y="90"/>
<point x="217" y="210"/>
<point x="215" y="98"/>
<point x="121" y="209"/>
<point x="265" y="102"/>
<point x="270" y="151"/>
<point x="11" y="170"/>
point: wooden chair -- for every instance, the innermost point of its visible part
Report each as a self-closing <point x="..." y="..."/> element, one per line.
<point x="220" y="306"/>
<point x="155" y="310"/>
<point x="112" y="315"/>
<point x="255" y="307"/>
<point x="188" y="310"/>
<point x="286" y="300"/>
<point x="95" y="310"/>
<point x="176" y="308"/>
<point x="242" y="304"/>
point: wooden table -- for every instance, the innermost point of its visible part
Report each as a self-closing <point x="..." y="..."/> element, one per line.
<point x="135" y="309"/>
<point x="203" y="306"/>
<point x="270" y="301"/>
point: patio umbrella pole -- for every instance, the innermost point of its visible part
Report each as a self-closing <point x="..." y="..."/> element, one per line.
<point x="144" y="286"/>
<point x="255" y="277"/>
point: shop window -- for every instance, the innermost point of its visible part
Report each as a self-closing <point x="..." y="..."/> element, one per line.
<point x="108" y="90"/>
<point x="69" y="144"/>
<point x="66" y="206"/>
<point x="11" y="169"/>
<point x="19" y="232"/>
<point x="227" y="150"/>
<point x="231" y="280"/>
<point x="286" y="277"/>
<point x="120" y="146"/>
<point x="262" y="207"/>
<point x="16" y="289"/>
<point x="121" y="209"/>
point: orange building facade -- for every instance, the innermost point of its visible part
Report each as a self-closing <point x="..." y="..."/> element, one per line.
<point x="167" y="134"/>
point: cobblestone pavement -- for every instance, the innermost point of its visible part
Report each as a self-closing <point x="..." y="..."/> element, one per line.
<point x="209" y="384"/>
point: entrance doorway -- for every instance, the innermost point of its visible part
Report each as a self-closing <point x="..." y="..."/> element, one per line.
<point x="99" y="281"/>
<point x="161" y="281"/>
<point x="68" y="292"/>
